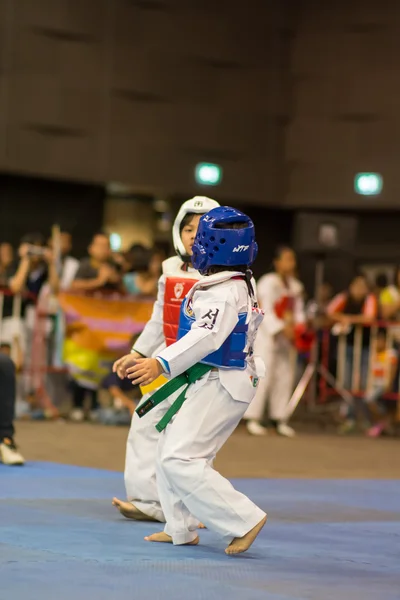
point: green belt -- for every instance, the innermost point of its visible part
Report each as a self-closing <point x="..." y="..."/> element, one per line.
<point x="185" y="379"/>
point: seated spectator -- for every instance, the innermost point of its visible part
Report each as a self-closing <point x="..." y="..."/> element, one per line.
<point x="79" y="394"/>
<point x="98" y="272"/>
<point x="6" y="260"/>
<point x="352" y="308"/>
<point x="123" y="407"/>
<point x="383" y="373"/>
<point x="144" y="279"/>
<point x="136" y="257"/>
<point x="9" y="454"/>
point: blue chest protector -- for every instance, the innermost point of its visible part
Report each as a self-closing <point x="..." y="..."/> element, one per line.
<point x="231" y="354"/>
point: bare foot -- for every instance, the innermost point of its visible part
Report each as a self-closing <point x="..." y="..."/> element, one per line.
<point x="129" y="511"/>
<point x="242" y="544"/>
<point x="201" y="526"/>
<point x="167" y="539"/>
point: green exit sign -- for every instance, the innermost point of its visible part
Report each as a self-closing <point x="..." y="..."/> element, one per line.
<point x="208" y="174"/>
<point x="368" y="184"/>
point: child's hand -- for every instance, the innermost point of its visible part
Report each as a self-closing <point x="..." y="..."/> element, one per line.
<point x="145" y="371"/>
<point x="122" y="364"/>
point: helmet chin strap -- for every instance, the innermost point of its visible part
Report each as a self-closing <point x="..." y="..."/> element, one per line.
<point x="186" y="258"/>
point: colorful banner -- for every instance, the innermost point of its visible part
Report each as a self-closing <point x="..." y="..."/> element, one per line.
<point x="98" y="331"/>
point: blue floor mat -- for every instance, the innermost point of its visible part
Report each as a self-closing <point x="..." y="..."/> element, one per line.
<point x="60" y="539"/>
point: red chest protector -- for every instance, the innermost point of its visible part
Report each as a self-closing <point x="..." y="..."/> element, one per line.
<point x="284" y="306"/>
<point x="304" y="337"/>
<point x="176" y="289"/>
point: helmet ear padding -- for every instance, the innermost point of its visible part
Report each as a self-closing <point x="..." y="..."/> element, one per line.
<point x="198" y="205"/>
<point x="225" y="238"/>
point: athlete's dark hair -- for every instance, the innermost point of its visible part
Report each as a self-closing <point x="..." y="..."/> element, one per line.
<point x="279" y="250"/>
<point x="187" y="219"/>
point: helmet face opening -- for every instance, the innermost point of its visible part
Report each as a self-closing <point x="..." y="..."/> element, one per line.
<point x="198" y="205"/>
<point x="225" y="238"/>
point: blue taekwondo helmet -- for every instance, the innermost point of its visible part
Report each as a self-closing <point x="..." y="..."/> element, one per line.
<point x="218" y="245"/>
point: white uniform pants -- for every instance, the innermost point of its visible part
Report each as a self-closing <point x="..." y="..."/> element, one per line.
<point x="187" y="482"/>
<point x="140" y="462"/>
<point x="277" y="386"/>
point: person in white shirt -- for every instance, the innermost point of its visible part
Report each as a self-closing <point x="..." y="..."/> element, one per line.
<point x="69" y="264"/>
<point x="281" y="297"/>
<point x="213" y="368"/>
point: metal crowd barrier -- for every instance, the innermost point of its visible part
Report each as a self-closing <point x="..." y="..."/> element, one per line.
<point x="326" y="375"/>
<point x="341" y="364"/>
<point x="25" y="326"/>
<point x="33" y="321"/>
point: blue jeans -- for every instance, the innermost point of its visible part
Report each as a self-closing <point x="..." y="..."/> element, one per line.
<point x="348" y="377"/>
<point x="363" y="366"/>
<point x="376" y="397"/>
<point x="110" y="416"/>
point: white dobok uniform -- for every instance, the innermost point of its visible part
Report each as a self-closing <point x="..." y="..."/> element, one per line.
<point x="141" y="449"/>
<point x="282" y="302"/>
<point x="215" y="404"/>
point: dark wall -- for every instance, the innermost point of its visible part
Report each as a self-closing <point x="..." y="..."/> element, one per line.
<point x="377" y="241"/>
<point x="345" y="97"/>
<point x="291" y="98"/>
<point x="140" y="92"/>
<point x="30" y="205"/>
<point x="273" y="228"/>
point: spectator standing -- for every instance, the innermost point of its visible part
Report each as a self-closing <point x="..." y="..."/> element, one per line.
<point x="68" y="265"/>
<point x="36" y="266"/>
<point x="29" y="408"/>
<point x="96" y="273"/>
<point x="280" y="295"/>
<point x="357" y="306"/>
<point x="9" y="454"/>
<point x="29" y="274"/>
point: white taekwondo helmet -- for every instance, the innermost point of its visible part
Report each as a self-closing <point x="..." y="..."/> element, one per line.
<point x="199" y="205"/>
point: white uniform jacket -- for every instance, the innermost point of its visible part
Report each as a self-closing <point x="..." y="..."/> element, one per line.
<point x="152" y="340"/>
<point x="281" y="303"/>
<point x="217" y="301"/>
